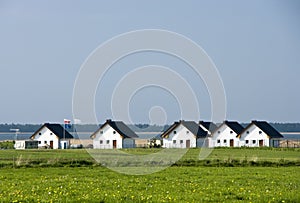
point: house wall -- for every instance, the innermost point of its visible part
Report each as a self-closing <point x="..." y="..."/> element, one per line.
<point x="179" y="139"/>
<point x="106" y="135"/>
<point x="203" y="142"/>
<point x="222" y="136"/>
<point x="64" y="144"/>
<point x="252" y="136"/>
<point x="44" y="136"/>
<point x="128" y="143"/>
<point x="19" y="144"/>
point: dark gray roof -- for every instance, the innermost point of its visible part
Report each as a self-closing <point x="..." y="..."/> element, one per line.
<point x="209" y="125"/>
<point x="120" y="127"/>
<point x="149" y="135"/>
<point x="267" y="128"/>
<point x="192" y="126"/>
<point x="57" y="129"/>
<point x="235" y="126"/>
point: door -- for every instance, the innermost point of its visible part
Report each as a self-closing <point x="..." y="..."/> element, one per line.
<point x="261" y="143"/>
<point x="114" y="144"/>
<point x="188" y="144"/>
<point x="231" y="143"/>
<point x="51" y="144"/>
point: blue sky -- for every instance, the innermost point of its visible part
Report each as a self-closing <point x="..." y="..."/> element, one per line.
<point x="254" y="45"/>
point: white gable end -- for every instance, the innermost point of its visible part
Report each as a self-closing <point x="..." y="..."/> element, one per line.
<point x="180" y="137"/>
<point x="224" y="136"/>
<point x="107" y="138"/>
<point x="46" y="138"/>
<point x="253" y="136"/>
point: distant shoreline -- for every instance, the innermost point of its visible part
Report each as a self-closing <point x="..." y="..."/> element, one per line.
<point x="4" y="136"/>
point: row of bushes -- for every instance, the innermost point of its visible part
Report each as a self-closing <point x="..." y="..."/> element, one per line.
<point x="192" y="163"/>
<point x="260" y="148"/>
<point x="236" y="163"/>
<point x="46" y="163"/>
<point x="7" y="145"/>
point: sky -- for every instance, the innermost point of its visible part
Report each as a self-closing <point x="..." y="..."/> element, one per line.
<point x="253" y="44"/>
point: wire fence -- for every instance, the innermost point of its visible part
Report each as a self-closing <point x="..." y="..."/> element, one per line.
<point x="289" y="143"/>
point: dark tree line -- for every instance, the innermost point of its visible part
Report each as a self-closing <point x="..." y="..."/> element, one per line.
<point x="281" y="127"/>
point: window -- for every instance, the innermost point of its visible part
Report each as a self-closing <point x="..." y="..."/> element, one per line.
<point x="253" y="141"/>
<point x="225" y="141"/>
<point x="40" y="133"/>
<point x="174" y="141"/>
<point x="40" y="142"/>
<point x="174" y="131"/>
<point x="45" y="142"/>
<point x="114" y="132"/>
<point x="187" y="132"/>
<point x="260" y="132"/>
<point x="247" y="141"/>
<point x="181" y="141"/>
<point x="101" y="141"/>
<point x="219" y="132"/>
<point x="231" y="132"/>
<point x="101" y="132"/>
<point x="107" y="141"/>
<point x="218" y="141"/>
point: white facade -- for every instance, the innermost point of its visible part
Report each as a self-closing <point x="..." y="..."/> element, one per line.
<point x="46" y="138"/>
<point x="253" y="136"/>
<point x="108" y="138"/>
<point x="179" y="137"/>
<point x="224" y="136"/>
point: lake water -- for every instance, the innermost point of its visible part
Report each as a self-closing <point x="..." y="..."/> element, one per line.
<point x="25" y="136"/>
<point x="86" y="135"/>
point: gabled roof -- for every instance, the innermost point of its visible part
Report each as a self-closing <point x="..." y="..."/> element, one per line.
<point x="192" y="126"/>
<point x="209" y="125"/>
<point x="118" y="126"/>
<point x="266" y="127"/>
<point x="233" y="125"/>
<point x="57" y="129"/>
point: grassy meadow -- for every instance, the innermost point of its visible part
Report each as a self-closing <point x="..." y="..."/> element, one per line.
<point x="73" y="176"/>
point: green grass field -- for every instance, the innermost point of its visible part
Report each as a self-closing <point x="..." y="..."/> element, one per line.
<point x="35" y="180"/>
<point x="175" y="184"/>
<point x="219" y="157"/>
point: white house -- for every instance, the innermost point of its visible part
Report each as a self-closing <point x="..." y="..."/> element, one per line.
<point x="260" y="134"/>
<point x="183" y="134"/>
<point x="52" y="136"/>
<point x="226" y="135"/>
<point x="113" y="134"/>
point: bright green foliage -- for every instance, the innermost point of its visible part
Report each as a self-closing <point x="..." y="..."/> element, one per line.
<point x="175" y="184"/>
<point x="7" y="145"/>
<point x="73" y="176"/>
<point x="217" y="157"/>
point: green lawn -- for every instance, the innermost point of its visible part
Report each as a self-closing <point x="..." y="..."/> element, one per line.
<point x="175" y="184"/>
<point x="73" y="176"/>
<point x="219" y="155"/>
<point x="262" y="154"/>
